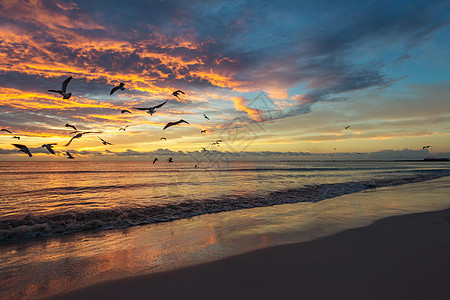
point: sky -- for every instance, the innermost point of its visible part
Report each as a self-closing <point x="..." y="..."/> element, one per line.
<point x="277" y="79"/>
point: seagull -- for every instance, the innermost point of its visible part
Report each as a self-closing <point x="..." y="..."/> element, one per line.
<point x="155" y="160"/>
<point x="175" y="123"/>
<point x="163" y="138"/>
<point x="49" y="147"/>
<point x="347" y="127"/>
<point x="78" y="135"/>
<point x="68" y="125"/>
<point x="6" y="130"/>
<point x="176" y="93"/>
<point x="125" y="111"/>
<point x="70" y="156"/>
<point x="425" y="147"/>
<point x="62" y="92"/>
<point x="124" y="128"/>
<point x="103" y="141"/>
<point x="23" y="149"/>
<point x="119" y="87"/>
<point x="170" y="160"/>
<point x="206" y="117"/>
<point x="203" y="131"/>
<point x="151" y="110"/>
<point x="203" y="149"/>
<point x="16" y="137"/>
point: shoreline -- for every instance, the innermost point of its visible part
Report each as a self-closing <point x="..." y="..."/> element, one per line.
<point x="396" y="257"/>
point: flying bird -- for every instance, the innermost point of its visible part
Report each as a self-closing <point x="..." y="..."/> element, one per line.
<point x="151" y="110"/>
<point x="425" y="147"/>
<point x="175" y="123"/>
<point x="49" y="147"/>
<point x="347" y="127"/>
<point x="23" y="148"/>
<point x="6" y="130"/>
<point x="16" y="137"/>
<point x="203" y="131"/>
<point x="206" y="117"/>
<point x="169" y="159"/>
<point x="163" y="138"/>
<point x="124" y="128"/>
<point x="119" y="87"/>
<point x="155" y="160"/>
<point x="79" y="135"/>
<point x="177" y="92"/>
<point x="62" y="92"/>
<point x="103" y="141"/>
<point x="125" y="111"/>
<point x="69" y="156"/>
<point x="68" y="125"/>
<point x="203" y="149"/>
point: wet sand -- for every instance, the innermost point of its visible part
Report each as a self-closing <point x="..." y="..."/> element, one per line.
<point x="401" y="257"/>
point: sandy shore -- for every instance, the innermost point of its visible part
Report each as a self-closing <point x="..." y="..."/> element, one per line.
<point x="402" y="257"/>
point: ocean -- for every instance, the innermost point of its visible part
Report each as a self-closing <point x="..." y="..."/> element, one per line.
<point x="44" y="199"/>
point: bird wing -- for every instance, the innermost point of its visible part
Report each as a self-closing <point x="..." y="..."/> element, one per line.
<point x="65" y="83"/>
<point x="170" y="124"/>
<point x="50" y="150"/>
<point x="6" y="130"/>
<point x="159" y="105"/>
<point x="140" y="108"/>
<point x="23" y="148"/>
<point x="180" y="91"/>
<point x="183" y="121"/>
<point x="125" y="110"/>
<point x="54" y="91"/>
<point x="206" y="116"/>
<point x="114" y="89"/>
<point x="69" y="141"/>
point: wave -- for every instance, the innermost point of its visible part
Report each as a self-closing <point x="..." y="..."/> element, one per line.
<point x="102" y="219"/>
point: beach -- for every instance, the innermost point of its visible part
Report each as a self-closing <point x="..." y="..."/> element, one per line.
<point x="402" y="257"/>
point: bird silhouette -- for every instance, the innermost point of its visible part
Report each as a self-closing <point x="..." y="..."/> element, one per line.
<point x="69" y="156"/>
<point x="177" y="92"/>
<point x="74" y="128"/>
<point x="203" y="131"/>
<point x="151" y="110"/>
<point x="63" y="92"/>
<point x="79" y="135"/>
<point x="169" y="160"/>
<point x="23" y="148"/>
<point x="16" y="137"/>
<point x="124" y="128"/>
<point x="6" y="130"/>
<point x="125" y="111"/>
<point x="206" y="117"/>
<point x="49" y="147"/>
<point x="104" y="142"/>
<point x="163" y="138"/>
<point x="175" y="123"/>
<point x="203" y="149"/>
<point x="155" y="160"/>
<point x="347" y="127"/>
<point x="425" y="147"/>
<point x="119" y="87"/>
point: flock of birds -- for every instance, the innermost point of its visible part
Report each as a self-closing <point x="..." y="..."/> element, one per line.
<point x="78" y="134"/>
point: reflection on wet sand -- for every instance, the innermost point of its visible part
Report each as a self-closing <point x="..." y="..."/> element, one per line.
<point x="43" y="267"/>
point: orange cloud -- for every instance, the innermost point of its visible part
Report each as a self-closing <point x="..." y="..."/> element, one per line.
<point x="240" y="104"/>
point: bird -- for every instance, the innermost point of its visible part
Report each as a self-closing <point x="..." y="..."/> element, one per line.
<point x="69" y="156"/>
<point x="347" y="127"/>
<point x="425" y="147"/>
<point x="49" y="147"/>
<point x="175" y="123"/>
<point x="23" y="148"/>
<point x="169" y="159"/>
<point x="6" y="130"/>
<point x="78" y="135"/>
<point x="16" y="137"/>
<point x="203" y="149"/>
<point x="103" y="141"/>
<point x="151" y="110"/>
<point x="68" y="125"/>
<point x="119" y="87"/>
<point x="163" y="138"/>
<point x="177" y="92"/>
<point x="203" y="131"/>
<point x="155" y="160"/>
<point x="124" y="128"/>
<point x="62" y="92"/>
<point x="206" y="117"/>
<point x="125" y="111"/>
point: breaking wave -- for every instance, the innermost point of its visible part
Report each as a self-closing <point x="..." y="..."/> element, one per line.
<point x="102" y="219"/>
